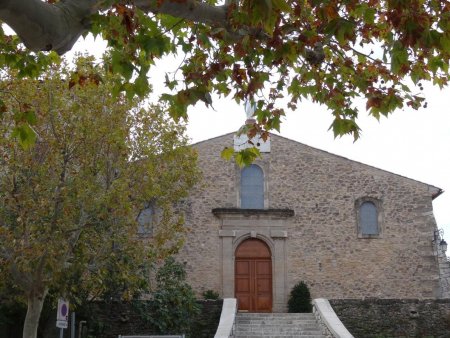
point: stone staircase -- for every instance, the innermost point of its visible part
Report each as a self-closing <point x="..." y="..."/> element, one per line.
<point x="277" y="325"/>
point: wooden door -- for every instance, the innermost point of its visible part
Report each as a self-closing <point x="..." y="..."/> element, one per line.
<point x="253" y="276"/>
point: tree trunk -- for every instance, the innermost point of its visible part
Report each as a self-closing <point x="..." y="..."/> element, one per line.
<point x="35" y="303"/>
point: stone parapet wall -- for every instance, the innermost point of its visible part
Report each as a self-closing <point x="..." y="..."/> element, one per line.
<point x="385" y="318"/>
<point x="109" y="320"/>
<point x="331" y="325"/>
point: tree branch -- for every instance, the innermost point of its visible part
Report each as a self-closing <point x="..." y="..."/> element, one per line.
<point x="191" y="10"/>
<point x="20" y="277"/>
<point x="42" y="26"/>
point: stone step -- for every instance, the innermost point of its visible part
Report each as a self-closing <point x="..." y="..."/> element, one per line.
<point x="279" y="336"/>
<point x="278" y="320"/>
<point x="264" y="333"/>
<point x="275" y="315"/>
<point x="274" y="325"/>
<point x="277" y="329"/>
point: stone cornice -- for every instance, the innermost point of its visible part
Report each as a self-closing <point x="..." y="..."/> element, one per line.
<point x="269" y="213"/>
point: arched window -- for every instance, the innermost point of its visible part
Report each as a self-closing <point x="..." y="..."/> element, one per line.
<point x="145" y="221"/>
<point x="252" y="187"/>
<point x="368" y="219"/>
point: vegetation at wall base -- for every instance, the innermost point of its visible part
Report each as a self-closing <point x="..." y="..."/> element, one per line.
<point x="210" y="295"/>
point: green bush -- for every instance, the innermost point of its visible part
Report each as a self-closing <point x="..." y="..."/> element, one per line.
<point x="211" y="295"/>
<point x="300" y="299"/>
<point x="174" y="302"/>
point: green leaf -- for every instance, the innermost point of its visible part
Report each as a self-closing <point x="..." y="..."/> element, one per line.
<point x="121" y="65"/>
<point x="274" y="123"/>
<point x="281" y="5"/>
<point x="30" y="117"/>
<point x="170" y="84"/>
<point x="227" y="153"/>
<point x="342" y="29"/>
<point x="342" y="126"/>
<point x="247" y="156"/>
<point x="26" y="135"/>
<point x="399" y="57"/>
<point x="435" y="63"/>
<point x="369" y="15"/>
<point x="445" y="42"/>
<point x="141" y="85"/>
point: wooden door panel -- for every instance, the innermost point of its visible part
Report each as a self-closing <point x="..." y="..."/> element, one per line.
<point x="253" y="285"/>
<point x="263" y="304"/>
<point x="253" y="277"/>
<point x="263" y="285"/>
<point x="242" y="276"/>
<point x="264" y="267"/>
<point x="244" y="302"/>
<point x="242" y="268"/>
<point x="242" y="285"/>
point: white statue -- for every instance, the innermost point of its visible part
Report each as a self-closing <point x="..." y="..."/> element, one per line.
<point x="249" y="109"/>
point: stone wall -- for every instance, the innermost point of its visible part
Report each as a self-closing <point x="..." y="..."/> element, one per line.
<point x="444" y="270"/>
<point x="120" y="318"/>
<point x="320" y="243"/>
<point x="383" y="318"/>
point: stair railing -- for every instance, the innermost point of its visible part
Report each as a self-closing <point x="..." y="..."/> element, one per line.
<point x="227" y="319"/>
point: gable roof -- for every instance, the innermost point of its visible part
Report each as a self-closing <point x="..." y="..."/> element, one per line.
<point x="435" y="191"/>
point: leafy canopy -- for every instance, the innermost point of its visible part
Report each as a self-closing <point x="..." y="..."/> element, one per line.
<point x="273" y="51"/>
<point x="69" y="202"/>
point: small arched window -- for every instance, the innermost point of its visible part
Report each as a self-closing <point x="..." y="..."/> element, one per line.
<point x="252" y="187"/>
<point x="145" y="221"/>
<point x="368" y="219"/>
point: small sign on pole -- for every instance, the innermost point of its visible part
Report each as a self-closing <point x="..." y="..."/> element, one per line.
<point x="61" y="324"/>
<point x="62" y="316"/>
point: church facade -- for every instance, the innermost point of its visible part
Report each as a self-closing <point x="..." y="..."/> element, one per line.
<point x="348" y="230"/>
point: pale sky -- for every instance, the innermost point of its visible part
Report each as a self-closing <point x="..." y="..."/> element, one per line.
<point x="410" y="143"/>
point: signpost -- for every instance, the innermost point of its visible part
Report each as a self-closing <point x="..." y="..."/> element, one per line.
<point x="62" y="316"/>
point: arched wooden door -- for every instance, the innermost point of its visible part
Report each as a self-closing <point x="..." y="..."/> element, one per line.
<point x="253" y="276"/>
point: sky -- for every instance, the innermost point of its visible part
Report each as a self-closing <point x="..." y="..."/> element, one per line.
<point x="411" y="143"/>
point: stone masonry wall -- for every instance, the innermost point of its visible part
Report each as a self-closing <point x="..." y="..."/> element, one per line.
<point x="322" y="244"/>
<point x="123" y="318"/>
<point x="383" y="318"/>
<point x="444" y="271"/>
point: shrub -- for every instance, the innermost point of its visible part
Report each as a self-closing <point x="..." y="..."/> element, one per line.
<point x="174" y="302"/>
<point x="300" y="299"/>
<point x="210" y="294"/>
